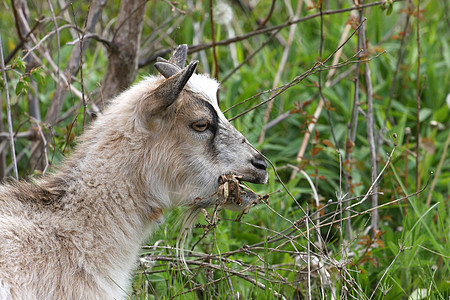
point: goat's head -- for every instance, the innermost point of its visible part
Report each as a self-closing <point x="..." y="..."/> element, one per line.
<point x="197" y="142"/>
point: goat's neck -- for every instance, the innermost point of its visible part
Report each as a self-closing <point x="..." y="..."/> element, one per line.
<point x="111" y="213"/>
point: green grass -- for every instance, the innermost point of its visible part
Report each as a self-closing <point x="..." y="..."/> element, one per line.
<point x="409" y="251"/>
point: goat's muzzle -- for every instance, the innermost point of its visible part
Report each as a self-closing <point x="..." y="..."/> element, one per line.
<point x="259" y="162"/>
<point x="258" y="173"/>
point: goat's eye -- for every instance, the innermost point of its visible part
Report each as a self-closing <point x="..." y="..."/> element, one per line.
<point x="200" y="126"/>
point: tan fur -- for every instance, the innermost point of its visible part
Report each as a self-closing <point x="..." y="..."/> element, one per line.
<point x="76" y="233"/>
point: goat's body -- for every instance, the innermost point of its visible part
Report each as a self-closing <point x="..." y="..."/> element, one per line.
<point x="80" y="241"/>
<point x="76" y="233"/>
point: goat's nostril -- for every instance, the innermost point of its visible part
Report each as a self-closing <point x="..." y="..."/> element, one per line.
<point x="259" y="163"/>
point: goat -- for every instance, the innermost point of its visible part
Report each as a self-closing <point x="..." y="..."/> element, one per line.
<point x="76" y="233"/>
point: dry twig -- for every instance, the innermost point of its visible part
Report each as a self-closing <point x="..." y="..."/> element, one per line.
<point x="8" y="112"/>
<point x="418" y="97"/>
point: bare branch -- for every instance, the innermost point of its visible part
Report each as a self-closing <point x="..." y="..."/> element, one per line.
<point x="57" y="37"/>
<point x="263" y="23"/>
<point x="197" y="48"/>
<point x="213" y="38"/>
<point x="8" y="112"/>
<point x="371" y="134"/>
<point x="249" y="57"/>
<point x="200" y="47"/>
<point x="219" y="267"/>
<point x="73" y="65"/>
<point x="93" y="36"/>
<point x="315" y="68"/>
<point x="397" y="68"/>
<point x="22" y="42"/>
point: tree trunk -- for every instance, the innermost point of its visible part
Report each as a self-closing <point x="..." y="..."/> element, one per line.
<point x="123" y="53"/>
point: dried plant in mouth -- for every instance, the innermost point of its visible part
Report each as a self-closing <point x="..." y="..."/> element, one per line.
<point x="236" y="196"/>
<point x="232" y="195"/>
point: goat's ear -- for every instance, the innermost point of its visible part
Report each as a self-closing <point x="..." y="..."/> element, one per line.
<point x="167" y="92"/>
<point x="166" y="68"/>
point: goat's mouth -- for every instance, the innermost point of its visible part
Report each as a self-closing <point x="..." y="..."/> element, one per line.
<point x="236" y="196"/>
<point x="259" y="179"/>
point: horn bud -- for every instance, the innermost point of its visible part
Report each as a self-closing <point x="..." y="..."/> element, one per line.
<point x="175" y="64"/>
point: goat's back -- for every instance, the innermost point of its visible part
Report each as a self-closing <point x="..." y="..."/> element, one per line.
<point x="42" y="253"/>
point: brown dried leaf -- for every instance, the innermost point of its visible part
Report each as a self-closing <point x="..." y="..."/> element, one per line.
<point x="316" y="150"/>
<point x="328" y="143"/>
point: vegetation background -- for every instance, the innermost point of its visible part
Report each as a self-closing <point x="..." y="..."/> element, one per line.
<point x="349" y="100"/>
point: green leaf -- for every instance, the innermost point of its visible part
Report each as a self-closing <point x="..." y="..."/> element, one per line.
<point x="197" y="16"/>
<point x="389" y="9"/>
<point x="38" y="74"/>
<point x="21" y="88"/>
<point x="23" y="85"/>
<point x="19" y="63"/>
<point x="387" y="6"/>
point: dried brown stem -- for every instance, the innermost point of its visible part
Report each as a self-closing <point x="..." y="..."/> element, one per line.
<point x="64" y="81"/>
<point x="213" y="39"/>
<point x="58" y="47"/>
<point x="200" y="47"/>
<point x="351" y="130"/>
<point x="263" y="23"/>
<point x="89" y="35"/>
<point x="418" y="98"/>
<point x="407" y="136"/>
<point x="356" y="214"/>
<point x="314" y="69"/>
<point x="370" y="131"/>
<point x="219" y="267"/>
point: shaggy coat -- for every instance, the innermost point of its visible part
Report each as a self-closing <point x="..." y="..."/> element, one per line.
<point x="76" y="233"/>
